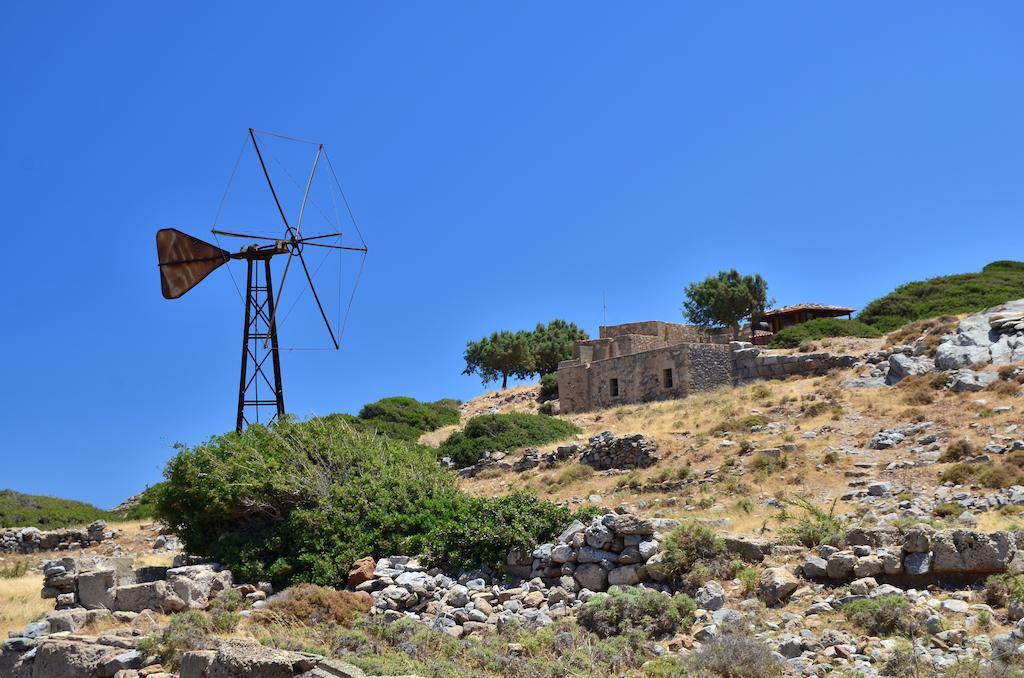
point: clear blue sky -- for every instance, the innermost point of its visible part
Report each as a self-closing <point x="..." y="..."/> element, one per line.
<point x="509" y="163"/>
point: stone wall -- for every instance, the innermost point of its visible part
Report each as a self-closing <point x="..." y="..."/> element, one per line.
<point x="588" y="382"/>
<point x="642" y="377"/>
<point x="111" y="583"/>
<point x="34" y="540"/>
<point x="751" y="363"/>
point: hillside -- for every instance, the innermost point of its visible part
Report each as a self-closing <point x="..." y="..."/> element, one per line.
<point x="996" y="283"/>
<point x="47" y="513"/>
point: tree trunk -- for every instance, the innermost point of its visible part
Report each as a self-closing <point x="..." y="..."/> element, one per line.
<point x="504" y="380"/>
<point x="736" y="332"/>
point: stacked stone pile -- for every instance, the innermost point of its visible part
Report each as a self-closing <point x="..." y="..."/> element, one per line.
<point x="110" y="583"/>
<point x="605" y="451"/>
<point x="920" y="553"/>
<point x="34" y="540"/>
<point x="552" y="581"/>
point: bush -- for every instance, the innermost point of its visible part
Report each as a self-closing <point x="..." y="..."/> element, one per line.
<point x="815" y="527"/>
<point x="693" y="555"/>
<point x="401" y="417"/>
<point x="955" y="451"/>
<point x="186" y="631"/>
<point x="549" y="386"/>
<point x="487" y="529"/>
<point x="821" y="328"/>
<point x="997" y="283"/>
<point x="405" y="411"/>
<point x="734" y="655"/>
<point x="883" y="616"/>
<point x="46" y="513"/>
<point x="768" y="464"/>
<point x="741" y="425"/>
<point x="654" y="613"/>
<point x="300" y="502"/>
<point x="502" y="433"/>
<point x="947" y="510"/>
<point x="15" y="570"/>
<point x="313" y="605"/>
<point x="958" y="474"/>
<point x="1001" y="589"/>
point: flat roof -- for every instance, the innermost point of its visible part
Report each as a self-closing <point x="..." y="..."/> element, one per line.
<point x="785" y="310"/>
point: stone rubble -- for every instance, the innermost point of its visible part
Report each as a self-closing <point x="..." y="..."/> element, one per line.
<point x="34" y="540"/>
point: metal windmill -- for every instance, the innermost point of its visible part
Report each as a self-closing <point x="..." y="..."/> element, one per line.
<point x="184" y="261"/>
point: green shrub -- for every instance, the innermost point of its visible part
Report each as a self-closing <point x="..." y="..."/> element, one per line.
<point x="301" y="501"/>
<point x="997" y="283"/>
<point x="401" y="417"/>
<point x="412" y="413"/>
<point x="46" y="513"/>
<point x="549" y="386"/>
<point x="815" y="527"/>
<point x="693" y="555"/>
<point x="883" y="616"/>
<point x="654" y="613"/>
<point x="488" y="528"/>
<point x="958" y="474"/>
<point x="821" y="328"/>
<point x="184" y="632"/>
<point x="750" y="578"/>
<point x="502" y="433"/>
<point x="734" y="655"/>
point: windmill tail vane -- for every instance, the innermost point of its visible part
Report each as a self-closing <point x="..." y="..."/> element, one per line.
<point x="184" y="261"/>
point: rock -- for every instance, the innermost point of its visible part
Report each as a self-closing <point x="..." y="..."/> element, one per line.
<point x="863" y="586"/>
<point x="197" y="585"/>
<point x="954" y="605"/>
<point x="362" y="571"/>
<point x="815" y="567"/>
<point x="969" y="552"/>
<point x="917" y="563"/>
<point x="901" y="366"/>
<point x="840" y="565"/>
<point x="776" y="585"/>
<point x="969" y="380"/>
<point x="155" y="595"/>
<point x="69" y="659"/>
<point x="591" y="576"/>
<point x="711" y="596"/>
<point x="629" y="523"/>
<point x="96" y="589"/>
<point x="879" y="488"/>
<point x="626" y="575"/>
<point x="917" y="540"/>
<point x="599" y="535"/>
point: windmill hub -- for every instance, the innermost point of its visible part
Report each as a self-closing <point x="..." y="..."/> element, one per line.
<point x="185" y="261"/>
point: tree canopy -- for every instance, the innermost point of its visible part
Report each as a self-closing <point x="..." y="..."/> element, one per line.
<point x="522" y="354"/>
<point x="724" y="300"/>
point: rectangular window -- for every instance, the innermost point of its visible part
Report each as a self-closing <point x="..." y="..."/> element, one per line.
<point x="613" y="387"/>
<point x="666" y="378"/>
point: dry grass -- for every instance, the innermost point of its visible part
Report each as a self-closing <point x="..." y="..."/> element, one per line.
<point x="19" y="599"/>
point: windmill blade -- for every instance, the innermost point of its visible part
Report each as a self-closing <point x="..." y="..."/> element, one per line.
<point x="184" y="261"/>
<point x="266" y="175"/>
<point x="316" y="297"/>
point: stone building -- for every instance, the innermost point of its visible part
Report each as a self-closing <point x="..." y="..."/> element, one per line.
<point x="647" y="361"/>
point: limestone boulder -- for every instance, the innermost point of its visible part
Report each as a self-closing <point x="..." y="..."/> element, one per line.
<point x="776" y="585"/>
<point x="969" y="552"/>
<point x="70" y="659"/>
<point x="157" y="595"/>
<point x="197" y="585"/>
